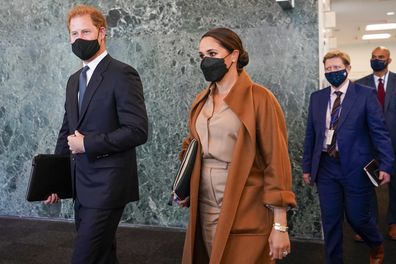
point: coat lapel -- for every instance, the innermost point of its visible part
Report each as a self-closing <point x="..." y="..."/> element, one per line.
<point x="371" y="81"/>
<point x="72" y="105"/>
<point x="240" y="100"/>
<point x="196" y="109"/>
<point x="93" y="84"/>
<point x="347" y="103"/>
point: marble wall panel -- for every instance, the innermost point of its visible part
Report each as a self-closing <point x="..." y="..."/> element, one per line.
<point x="160" y="39"/>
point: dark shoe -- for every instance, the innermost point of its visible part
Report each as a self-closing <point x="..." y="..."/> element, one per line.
<point x="377" y="254"/>
<point x="392" y="231"/>
<point x="358" y="238"/>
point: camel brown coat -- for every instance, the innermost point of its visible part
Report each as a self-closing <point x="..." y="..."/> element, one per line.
<point x="259" y="175"/>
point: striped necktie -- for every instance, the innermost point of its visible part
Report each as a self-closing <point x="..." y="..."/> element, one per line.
<point x="335" y="114"/>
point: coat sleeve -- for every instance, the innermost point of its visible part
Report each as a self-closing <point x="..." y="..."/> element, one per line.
<point x="273" y="147"/>
<point x="61" y="144"/>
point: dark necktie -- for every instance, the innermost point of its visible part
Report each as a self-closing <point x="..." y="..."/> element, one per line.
<point x="335" y="113"/>
<point x="82" y="86"/>
<point x="381" y="92"/>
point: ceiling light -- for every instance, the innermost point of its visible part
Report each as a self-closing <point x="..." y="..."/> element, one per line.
<point x="381" y="26"/>
<point x="390" y="13"/>
<point x="376" y="36"/>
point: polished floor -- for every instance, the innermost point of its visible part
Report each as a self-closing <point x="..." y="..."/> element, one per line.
<point x="31" y="241"/>
<point x="38" y="241"/>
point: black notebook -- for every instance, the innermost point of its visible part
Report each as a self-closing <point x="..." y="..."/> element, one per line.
<point x="181" y="184"/>
<point x="372" y="171"/>
<point x="49" y="174"/>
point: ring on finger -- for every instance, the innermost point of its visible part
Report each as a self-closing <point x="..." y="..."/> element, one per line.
<point x="284" y="253"/>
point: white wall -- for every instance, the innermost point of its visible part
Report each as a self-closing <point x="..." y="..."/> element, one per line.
<point x="360" y="57"/>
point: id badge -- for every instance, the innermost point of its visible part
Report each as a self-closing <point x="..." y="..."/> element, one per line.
<point x="329" y="136"/>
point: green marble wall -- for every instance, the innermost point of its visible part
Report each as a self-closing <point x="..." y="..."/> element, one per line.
<point x="160" y="39"/>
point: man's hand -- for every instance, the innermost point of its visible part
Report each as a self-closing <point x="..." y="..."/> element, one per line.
<point x="384" y="177"/>
<point x="53" y="198"/>
<point x="307" y="179"/>
<point x="76" y="143"/>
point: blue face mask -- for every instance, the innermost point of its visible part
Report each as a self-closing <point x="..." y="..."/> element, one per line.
<point x="336" y="78"/>
<point x="378" y="65"/>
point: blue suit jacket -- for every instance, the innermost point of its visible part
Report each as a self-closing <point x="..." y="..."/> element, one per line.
<point x="361" y="131"/>
<point x="390" y="102"/>
<point x="114" y="121"/>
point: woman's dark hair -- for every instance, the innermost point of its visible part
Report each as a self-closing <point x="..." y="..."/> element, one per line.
<point x="230" y="41"/>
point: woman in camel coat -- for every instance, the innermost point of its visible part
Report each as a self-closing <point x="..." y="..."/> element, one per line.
<point x="240" y="126"/>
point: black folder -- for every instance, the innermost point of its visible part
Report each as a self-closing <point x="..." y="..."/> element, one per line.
<point x="372" y="171"/>
<point x="181" y="184"/>
<point x="50" y="173"/>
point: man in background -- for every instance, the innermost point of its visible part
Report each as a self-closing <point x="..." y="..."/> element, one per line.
<point x="105" y="120"/>
<point x="345" y="130"/>
<point x="384" y="81"/>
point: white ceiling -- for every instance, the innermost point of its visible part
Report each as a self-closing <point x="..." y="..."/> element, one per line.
<point x="352" y="16"/>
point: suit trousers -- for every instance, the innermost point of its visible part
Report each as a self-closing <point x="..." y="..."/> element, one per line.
<point x="95" y="242"/>
<point x="341" y="194"/>
<point x="391" y="188"/>
<point x="392" y="199"/>
<point x="213" y="180"/>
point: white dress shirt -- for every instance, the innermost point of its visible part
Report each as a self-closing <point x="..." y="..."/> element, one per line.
<point x="384" y="80"/>
<point x="92" y="66"/>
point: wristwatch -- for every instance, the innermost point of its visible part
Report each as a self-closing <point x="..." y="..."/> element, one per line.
<point x="280" y="228"/>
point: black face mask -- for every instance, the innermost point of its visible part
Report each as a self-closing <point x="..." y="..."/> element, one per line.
<point x="336" y="78"/>
<point x="214" y="69"/>
<point x="85" y="49"/>
<point x="378" y="65"/>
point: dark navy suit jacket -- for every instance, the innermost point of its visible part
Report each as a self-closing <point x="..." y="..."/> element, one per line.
<point x="390" y="102"/>
<point x="113" y="119"/>
<point x="361" y="131"/>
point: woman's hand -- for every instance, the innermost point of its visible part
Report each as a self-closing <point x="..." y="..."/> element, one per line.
<point x="279" y="243"/>
<point x="183" y="203"/>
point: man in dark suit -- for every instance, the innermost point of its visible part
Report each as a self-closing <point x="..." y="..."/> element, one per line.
<point x="384" y="81"/>
<point x="345" y="128"/>
<point x="105" y="119"/>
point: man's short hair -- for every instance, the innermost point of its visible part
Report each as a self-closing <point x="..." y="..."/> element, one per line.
<point x="382" y="48"/>
<point x="338" y="54"/>
<point x="97" y="17"/>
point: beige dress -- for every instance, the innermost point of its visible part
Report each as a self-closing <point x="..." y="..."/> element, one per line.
<point x="218" y="133"/>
